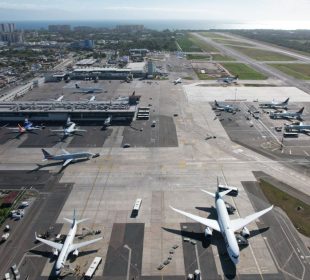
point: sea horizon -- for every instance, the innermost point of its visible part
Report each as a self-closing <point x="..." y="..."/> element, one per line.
<point x="167" y="24"/>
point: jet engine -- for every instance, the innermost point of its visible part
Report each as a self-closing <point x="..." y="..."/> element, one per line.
<point x="208" y="232"/>
<point x="75" y="253"/>
<point x="55" y="252"/>
<point x="245" y="232"/>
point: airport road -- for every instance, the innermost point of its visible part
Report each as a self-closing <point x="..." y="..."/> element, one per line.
<point x="260" y="66"/>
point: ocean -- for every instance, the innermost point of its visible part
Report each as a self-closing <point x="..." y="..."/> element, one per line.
<point x="170" y="24"/>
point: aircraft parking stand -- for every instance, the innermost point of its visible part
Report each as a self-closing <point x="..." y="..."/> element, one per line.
<point x="165" y="165"/>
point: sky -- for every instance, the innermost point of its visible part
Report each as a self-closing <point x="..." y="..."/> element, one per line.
<point x="222" y="10"/>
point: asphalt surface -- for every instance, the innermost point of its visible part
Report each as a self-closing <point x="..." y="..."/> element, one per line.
<point x="282" y="239"/>
<point x="126" y="245"/>
<point x="40" y="216"/>
<point x="142" y="134"/>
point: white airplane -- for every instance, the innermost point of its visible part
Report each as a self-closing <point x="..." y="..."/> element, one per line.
<point x="287" y="115"/>
<point x="59" y="99"/>
<point x="301" y="127"/>
<point x="87" y="89"/>
<point x="63" y="250"/>
<point x="107" y="121"/>
<point x="27" y="127"/>
<point x="224" y="225"/>
<point x="226" y="108"/>
<point x="275" y="104"/>
<point x="69" y="129"/>
<point x="67" y="157"/>
<point x="91" y="99"/>
<point x="177" y="81"/>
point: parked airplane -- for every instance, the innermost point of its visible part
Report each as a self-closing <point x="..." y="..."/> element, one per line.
<point x="107" y="121"/>
<point x="63" y="250"/>
<point x="228" y="80"/>
<point x="275" y="104"/>
<point x="87" y="89"/>
<point x="69" y="129"/>
<point x="303" y="128"/>
<point x="226" y="108"/>
<point x="177" y="81"/>
<point x="287" y="115"/>
<point x="59" y="99"/>
<point x="67" y="157"/>
<point x="224" y="225"/>
<point x="27" y="127"/>
<point x="91" y="99"/>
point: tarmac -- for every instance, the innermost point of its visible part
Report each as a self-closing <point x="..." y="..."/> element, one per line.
<point x="165" y="165"/>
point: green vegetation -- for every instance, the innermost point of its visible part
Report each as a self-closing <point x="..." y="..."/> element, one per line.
<point x="198" y="57"/>
<point x="212" y="35"/>
<point x="298" y="71"/>
<point x="191" y="43"/>
<point x="263" y="55"/>
<point x="232" y="42"/>
<point x="297" y="40"/>
<point x="244" y="71"/>
<point x="297" y="211"/>
<point x="220" y="57"/>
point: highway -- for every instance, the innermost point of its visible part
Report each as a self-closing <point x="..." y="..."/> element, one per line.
<point x="258" y="65"/>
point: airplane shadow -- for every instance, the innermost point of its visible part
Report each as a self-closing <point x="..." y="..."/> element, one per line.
<point x="197" y="236"/>
<point x="41" y="166"/>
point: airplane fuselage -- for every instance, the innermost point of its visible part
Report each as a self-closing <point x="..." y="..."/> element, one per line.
<point x="228" y="235"/>
<point x="70" y="129"/>
<point x="298" y="127"/>
<point x="73" y="156"/>
<point x="285" y="116"/>
<point x="65" y="249"/>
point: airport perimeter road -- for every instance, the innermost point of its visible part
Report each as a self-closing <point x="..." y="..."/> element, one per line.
<point x="260" y="66"/>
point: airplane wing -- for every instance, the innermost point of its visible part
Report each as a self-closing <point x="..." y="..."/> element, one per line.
<point x="74" y="247"/>
<point x="67" y="162"/>
<point x="207" y="222"/>
<point x="242" y="222"/>
<point x="57" y="246"/>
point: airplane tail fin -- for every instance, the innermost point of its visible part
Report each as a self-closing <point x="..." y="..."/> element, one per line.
<point x="216" y="104"/>
<point x="223" y="193"/>
<point x="20" y="128"/>
<point x="286" y="101"/>
<point x="77" y="86"/>
<point x="237" y="77"/>
<point x="46" y="154"/>
<point x="301" y="110"/>
<point x="74" y="221"/>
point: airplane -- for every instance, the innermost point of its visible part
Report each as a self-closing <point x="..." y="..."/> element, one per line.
<point x="287" y="115"/>
<point x="91" y="99"/>
<point x="275" y="104"/>
<point x="69" y="129"/>
<point x="228" y="80"/>
<point x="224" y="225"/>
<point x="67" y="157"/>
<point x="177" y="81"/>
<point x="27" y="127"/>
<point x="107" y="121"/>
<point x="302" y="128"/>
<point x="68" y="247"/>
<point x="226" y="108"/>
<point x="59" y="99"/>
<point x="87" y="89"/>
